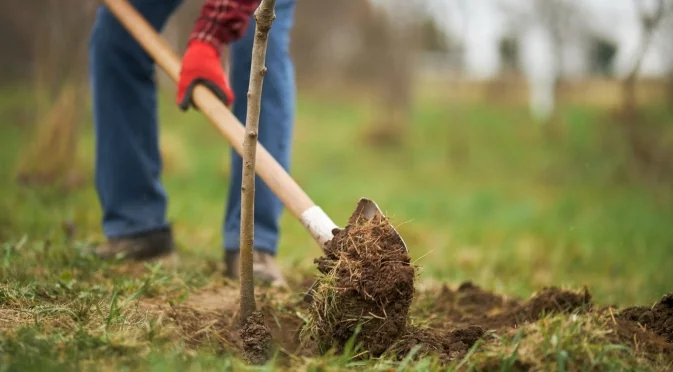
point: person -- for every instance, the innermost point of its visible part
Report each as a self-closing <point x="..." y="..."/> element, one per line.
<point x="127" y="158"/>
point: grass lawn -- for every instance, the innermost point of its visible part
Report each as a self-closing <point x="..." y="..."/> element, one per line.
<point x="480" y="193"/>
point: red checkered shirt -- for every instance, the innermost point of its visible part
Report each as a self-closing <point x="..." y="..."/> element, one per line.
<point x="223" y="21"/>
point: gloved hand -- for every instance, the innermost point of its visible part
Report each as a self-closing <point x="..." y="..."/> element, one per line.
<point x="201" y="64"/>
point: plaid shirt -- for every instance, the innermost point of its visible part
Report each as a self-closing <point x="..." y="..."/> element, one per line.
<point x="223" y="21"/>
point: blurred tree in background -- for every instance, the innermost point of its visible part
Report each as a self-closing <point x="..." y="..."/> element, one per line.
<point x="354" y="45"/>
<point x="48" y="40"/>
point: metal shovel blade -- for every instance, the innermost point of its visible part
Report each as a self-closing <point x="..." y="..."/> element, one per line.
<point x="367" y="209"/>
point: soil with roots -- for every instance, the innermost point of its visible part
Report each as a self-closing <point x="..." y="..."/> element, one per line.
<point x="658" y="318"/>
<point x="366" y="293"/>
<point x="445" y="322"/>
<point x="470" y="311"/>
<point x="452" y="321"/>
<point x="365" y="289"/>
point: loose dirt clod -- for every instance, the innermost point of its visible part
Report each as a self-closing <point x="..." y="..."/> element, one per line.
<point x="650" y="344"/>
<point x="553" y="300"/>
<point x="470" y="305"/>
<point x="367" y="281"/>
<point x="470" y="296"/>
<point x="448" y="345"/>
<point x="657" y="319"/>
<point x="256" y="339"/>
<point x="447" y="323"/>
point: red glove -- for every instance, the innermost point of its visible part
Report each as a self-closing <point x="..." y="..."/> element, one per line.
<point x="201" y="64"/>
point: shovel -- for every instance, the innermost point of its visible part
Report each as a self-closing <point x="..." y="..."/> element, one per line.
<point x="318" y="224"/>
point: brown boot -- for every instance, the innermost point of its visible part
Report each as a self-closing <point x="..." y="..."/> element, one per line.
<point x="144" y="246"/>
<point x="264" y="268"/>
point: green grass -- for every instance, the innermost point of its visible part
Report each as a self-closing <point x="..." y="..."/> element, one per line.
<point x="562" y="343"/>
<point x="479" y="193"/>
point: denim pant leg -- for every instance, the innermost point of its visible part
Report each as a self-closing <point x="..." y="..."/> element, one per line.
<point x="128" y="162"/>
<point x="275" y="126"/>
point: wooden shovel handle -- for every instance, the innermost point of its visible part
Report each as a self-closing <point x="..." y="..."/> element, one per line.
<point x="273" y="174"/>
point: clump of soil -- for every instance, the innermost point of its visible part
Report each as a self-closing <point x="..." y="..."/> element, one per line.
<point x="447" y="323"/>
<point x="471" y="297"/>
<point x="657" y="319"/>
<point x="465" y="315"/>
<point x="471" y="305"/>
<point x="553" y="300"/>
<point x="648" y="329"/>
<point x="367" y="281"/>
<point x="448" y="345"/>
<point x="641" y="339"/>
<point x="256" y="339"/>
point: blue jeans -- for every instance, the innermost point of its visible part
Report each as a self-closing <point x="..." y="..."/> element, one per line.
<point x="128" y="162"/>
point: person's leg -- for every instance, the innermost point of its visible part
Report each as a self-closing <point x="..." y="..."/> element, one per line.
<point x="128" y="162"/>
<point x="275" y="127"/>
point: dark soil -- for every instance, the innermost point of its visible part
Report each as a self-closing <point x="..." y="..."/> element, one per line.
<point x="448" y="345"/>
<point x="470" y="296"/>
<point x="256" y="339"/>
<point x="451" y="313"/>
<point x="470" y="305"/>
<point x="368" y="283"/>
<point x="452" y="320"/>
<point x="643" y="341"/>
<point x="649" y="329"/>
<point x="657" y="319"/>
<point x="463" y="316"/>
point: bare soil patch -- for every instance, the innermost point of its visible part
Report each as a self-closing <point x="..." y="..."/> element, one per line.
<point x="366" y="291"/>
<point x="444" y="322"/>
<point x="457" y="315"/>
<point x="657" y="319"/>
<point x="209" y="318"/>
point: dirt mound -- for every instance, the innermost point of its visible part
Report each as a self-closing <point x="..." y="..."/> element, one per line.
<point x="642" y="340"/>
<point x="256" y="339"/>
<point x="648" y="329"/>
<point x="447" y="323"/>
<point x="448" y="345"/>
<point x="471" y="297"/>
<point x="553" y="300"/>
<point x="471" y="305"/>
<point x="657" y="319"/>
<point x="463" y="316"/>
<point x="367" y="284"/>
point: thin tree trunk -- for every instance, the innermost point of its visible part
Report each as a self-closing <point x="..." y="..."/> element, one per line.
<point x="669" y="90"/>
<point x="60" y="87"/>
<point x="643" y="144"/>
<point x="650" y="23"/>
<point x="264" y="16"/>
